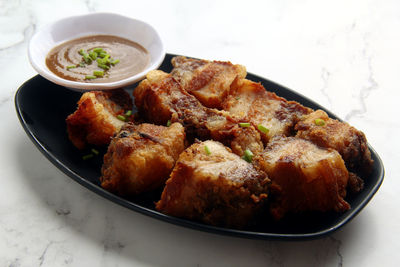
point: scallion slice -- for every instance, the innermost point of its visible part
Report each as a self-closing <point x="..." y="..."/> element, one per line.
<point x="244" y="124"/>
<point x="208" y="152"/>
<point x="248" y="156"/>
<point x="319" y="122"/>
<point x="122" y="118"/>
<point x="98" y="73"/>
<point x="90" y="77"/>
<point x="71" y="67"/>
<point x="168" y="123"/>
<point x="88" y="156"/>
<point x="128" y="113"/>
<point x="96" y="152"/>
<point x="262" y="129"/>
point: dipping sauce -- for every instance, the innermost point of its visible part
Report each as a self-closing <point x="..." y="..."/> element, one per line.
<point x="132" y="58"/>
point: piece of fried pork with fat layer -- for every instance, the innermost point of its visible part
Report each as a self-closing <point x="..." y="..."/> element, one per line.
<point x="213" y="185"/>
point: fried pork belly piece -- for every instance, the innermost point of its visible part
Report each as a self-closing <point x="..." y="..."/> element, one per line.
<point x="208" y="81"/>
<point x="213" y="185"/>
<point x="250" y="101"/>
<point x="141" y="157"/>
<point x="160" y="98"/>
<point x="347" y="140"/>
<point x="308" y="177"/>
<point x="95" y="120"/>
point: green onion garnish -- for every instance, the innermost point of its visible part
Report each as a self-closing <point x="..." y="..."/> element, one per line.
<point x="71" y="67"/>
<point x="87" y="58"/>
<point x="208" y="152"/>
<point x="88" y="156"/>
<point x="98" y="50"/>
<point x="93" y="55"/>
<point x="122" y="118"/>
<point x="262" y="129"/>
<point x="98" y="73"/>
<point x="90" y="77"/>
<point x="96" y="152"/>
<point x="319" y="122"/>
<point x="105" y="67"/>
<point x="244" y="124"/>
<point x="128" y="113"/>
<point x="81" y="52"/>
<point x="102" y="54"/>
<point x="114" y="62"/>
<point x="248" y="156"/>
<point x="168" y="123"/>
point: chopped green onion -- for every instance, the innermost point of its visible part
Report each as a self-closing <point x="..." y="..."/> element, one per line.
<point x="263" y="129"/>
<point x="128" y="113"/>
<point x="93" y="55"/>
<point x="98" y="73"/>
<point x="102" y="54"/>
<point x="71" y="67"/>
<point x="114" y="62"/>
<point x="208" y="152"/>
<point x="248" y="156"/>
<point x="81" y="52"/>
<point x="87" y="58"/>
<point x="105" y="67"/>
<point x="88" y="156"/>
<point x="244" y="124"/>
<point x="90" y="77"/>
<point x="98" y="50"/>
<point x="96" y="152"/>
<point x="168" y="123"/>
<point x="319" y="122"/>
<point x="122" y="118"/>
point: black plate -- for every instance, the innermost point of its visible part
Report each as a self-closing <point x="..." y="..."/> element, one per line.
<point x="42" y="107"/>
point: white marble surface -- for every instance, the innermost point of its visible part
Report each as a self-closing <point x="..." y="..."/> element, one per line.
<point x="343" y="54"/>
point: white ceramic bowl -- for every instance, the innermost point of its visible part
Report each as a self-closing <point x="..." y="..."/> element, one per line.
<point x="94" y="24"/>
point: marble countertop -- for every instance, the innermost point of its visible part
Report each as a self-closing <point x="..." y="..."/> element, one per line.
<point x="342" y="54"/>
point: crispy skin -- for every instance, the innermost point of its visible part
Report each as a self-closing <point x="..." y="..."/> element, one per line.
<point x="309" y="178"/>
<point x="218" y="188"/>
<point x="347" y="140"/>
<point x="160" y="98"/>
<point x="251" y="102"/>
<point x="95" y="120"/>
<point x="141" y="157"/>
<point x="208" y="81"/>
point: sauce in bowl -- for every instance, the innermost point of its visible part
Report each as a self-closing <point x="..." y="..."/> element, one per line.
<point x="66" y="61"/>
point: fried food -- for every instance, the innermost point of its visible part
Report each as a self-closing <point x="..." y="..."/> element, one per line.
<point x="213" y="185"/>
<point x="160" y="98"/>
<point x="308" y="177"/>
<point x="208" y="81"/>
<point x="95" y="120"/>
<point x="250" y="101"/>
<point x="141" y="157"/>
<point x="347" y="140"/>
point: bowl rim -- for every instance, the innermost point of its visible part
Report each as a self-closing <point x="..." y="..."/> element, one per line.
<point x="155" y="62"/>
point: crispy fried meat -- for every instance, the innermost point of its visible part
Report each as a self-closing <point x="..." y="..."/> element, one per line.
<point x="250" y="101"/>
<point x="213" y="185"/>
<point x="309" y="178"/>
<point x="208" y="81"/>
<point x="141" y="157"/>
<point x="347" y="140"/>
<point x="95" y="120"/>
<point x="160" y="98"/>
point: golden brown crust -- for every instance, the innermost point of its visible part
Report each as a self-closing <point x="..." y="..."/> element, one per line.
<point x="309" y="178"/>
<point x="217" y="188"/>
<point x="250" y="102"/>
<point x="95" y="120"/>
<point x="347" y="140"/>
<point x="208" y="81"/>
<point x="160" y="98"/>
<point x="141" y="157"/>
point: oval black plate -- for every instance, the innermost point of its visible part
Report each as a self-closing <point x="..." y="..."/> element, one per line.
<point x="43" y="106"/>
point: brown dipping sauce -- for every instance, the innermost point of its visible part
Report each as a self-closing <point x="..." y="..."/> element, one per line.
<point x="133" y="58"/>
